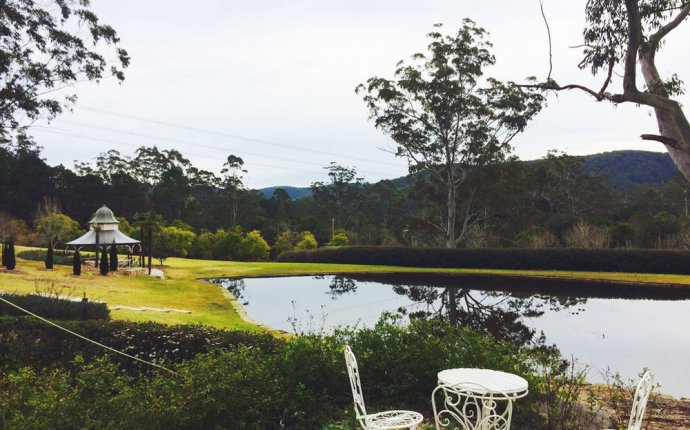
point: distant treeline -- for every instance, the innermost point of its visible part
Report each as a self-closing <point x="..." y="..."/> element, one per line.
<point x="627" y="199"/>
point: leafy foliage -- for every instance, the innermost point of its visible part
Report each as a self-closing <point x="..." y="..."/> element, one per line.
<point x="254" y="246"/>
<point x="57" y="228"/>
<point x="445" y="117"/>
<point x="47" y="46"/>
<point x="249" y="380"/>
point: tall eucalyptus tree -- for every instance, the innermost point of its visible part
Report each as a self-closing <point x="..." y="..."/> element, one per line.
<point x="446" y="118"/>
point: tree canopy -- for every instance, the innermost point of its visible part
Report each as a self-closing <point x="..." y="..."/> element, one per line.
<point x="44" y="48"/>
<point x="445" y="116"/>
<point x="627" y="35"/>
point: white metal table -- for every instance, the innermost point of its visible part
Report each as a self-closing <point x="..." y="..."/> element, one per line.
<point x="477" y="399"/>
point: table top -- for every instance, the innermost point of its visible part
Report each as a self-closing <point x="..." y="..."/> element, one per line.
<point x="489" y="380"/>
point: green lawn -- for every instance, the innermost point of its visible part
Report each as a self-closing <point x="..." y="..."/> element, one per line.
<point x="182" y="289"/>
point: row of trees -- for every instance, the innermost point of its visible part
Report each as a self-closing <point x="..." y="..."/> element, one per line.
<point x="549" y="202"/>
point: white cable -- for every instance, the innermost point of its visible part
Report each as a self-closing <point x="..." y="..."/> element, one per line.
<point x="86" y="338"/>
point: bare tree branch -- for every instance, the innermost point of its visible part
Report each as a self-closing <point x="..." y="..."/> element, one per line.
<point x="548" y="32"/>
<point x="663" y="139"/>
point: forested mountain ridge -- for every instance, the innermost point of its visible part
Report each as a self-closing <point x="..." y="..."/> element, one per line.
<point x="626" y="169"/>
<point x="621" y="170"/>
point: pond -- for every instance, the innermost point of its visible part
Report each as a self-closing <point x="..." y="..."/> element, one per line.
<point x="622" y="327"/>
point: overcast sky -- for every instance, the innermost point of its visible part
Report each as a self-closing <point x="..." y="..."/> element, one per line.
<point x="273" y="82"/>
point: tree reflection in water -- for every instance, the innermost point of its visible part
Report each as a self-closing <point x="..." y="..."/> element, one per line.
<point x="499" y="313"/>
<point x="235" y="286"/>
<point x="341" y="285"/>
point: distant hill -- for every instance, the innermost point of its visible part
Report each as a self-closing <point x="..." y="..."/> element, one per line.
<point x="293" y="192"/>
<point x="627" y="169"/>
<point x="620" y="169"/>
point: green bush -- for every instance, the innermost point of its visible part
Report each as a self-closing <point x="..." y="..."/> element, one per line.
<point x="254" y="247"/>
<point x="597" y="260"/>
<point x="36" y="344"/>
<point x="256" y="381"/>
<point x="54" y="308"/>
<point x="41" y="255"/>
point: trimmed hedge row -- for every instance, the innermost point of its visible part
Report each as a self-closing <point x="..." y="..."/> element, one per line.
<point x="33" y="343"/>
<point x="54" y="308"/>
<point x="594" y="260"/>
<point x="40" y="255"/>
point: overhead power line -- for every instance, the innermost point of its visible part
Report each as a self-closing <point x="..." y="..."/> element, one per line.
<point x="116" y="142"/>
<point x="202" y="145"/>
<point x="232" y="136"/>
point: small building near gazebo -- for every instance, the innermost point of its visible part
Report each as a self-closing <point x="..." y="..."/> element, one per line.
<point x="104" y="230"/>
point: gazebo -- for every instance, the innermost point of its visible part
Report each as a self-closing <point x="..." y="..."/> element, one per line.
<point x="104" y="230"/>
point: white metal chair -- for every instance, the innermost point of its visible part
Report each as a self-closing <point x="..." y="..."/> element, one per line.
<point x="642" y="392"/>
<point x="382" y="420"/>
<point x="470" y="406"/>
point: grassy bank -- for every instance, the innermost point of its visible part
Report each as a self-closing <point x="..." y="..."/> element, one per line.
<point x="183" y="290"/>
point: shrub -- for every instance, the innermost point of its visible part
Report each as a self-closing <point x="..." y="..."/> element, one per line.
<point x="284" y="241"/>
<point x="598" y="260"/>
<point x="36" y="344"/>
<point x="76" y="263"/>
<point x="54" y="308"/>
<point x="262" y="382"/>
<point x="339" y="240"/>
<point x="104" y="266"/>
<point x="172" y="242"/>
<point x="227" y="246"/>
<point x="41" y="255"/>
<point x="306" y="241"/>
<point x="11" y="261"/>
<point x="49" y="257"/>
<point x="254" y="246"/>
<point x="113" y="257"/>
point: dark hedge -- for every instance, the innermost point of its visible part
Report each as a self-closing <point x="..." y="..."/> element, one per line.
<point x="31" y="342"/>
<point x="596" y="260"/>
<point x="54" y="308"/>
<point x="40" y="255"/>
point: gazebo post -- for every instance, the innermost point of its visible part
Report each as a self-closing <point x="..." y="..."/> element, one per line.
<point x="97" y="229"/>
<point x="149" y="241"/>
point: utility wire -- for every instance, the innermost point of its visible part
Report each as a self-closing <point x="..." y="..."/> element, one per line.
<point x="230" y="136"/>
<point x="115" y="142"/>
<point x="86" y="338"/>
<point x="202" y="145"/>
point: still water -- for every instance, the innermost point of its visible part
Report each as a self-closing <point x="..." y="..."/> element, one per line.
<point x="625" y="328"/>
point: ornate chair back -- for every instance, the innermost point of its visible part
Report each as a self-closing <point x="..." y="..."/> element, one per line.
<point x="353" y="372"/>
<point x="471" y="407"/>
<point x="642" y="392"/>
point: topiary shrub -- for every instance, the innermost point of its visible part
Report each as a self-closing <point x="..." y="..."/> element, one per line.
<point x="113" y="258"/>
<point x="104" y="266"/>
<point x="11" y="261"/>
<point x="76" y="263"/>
<point x="49" y="256"/>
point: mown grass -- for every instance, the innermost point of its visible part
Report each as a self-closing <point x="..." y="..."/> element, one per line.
<point x="183" y="289"/>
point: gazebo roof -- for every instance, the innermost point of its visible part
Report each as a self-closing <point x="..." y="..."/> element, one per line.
<point x="105" y="238"/>
<point x="104" y="216"/>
